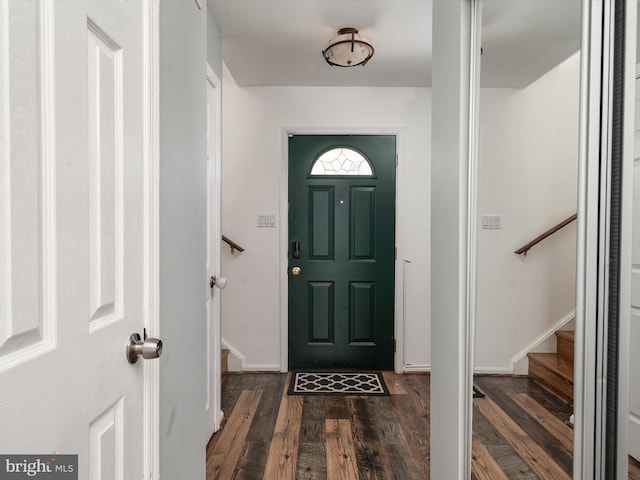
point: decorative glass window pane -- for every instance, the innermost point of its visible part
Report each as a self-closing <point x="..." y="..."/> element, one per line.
<point x="341" y="161"/>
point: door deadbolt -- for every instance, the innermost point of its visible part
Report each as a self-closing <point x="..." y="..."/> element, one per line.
<point x="295" y="249"/>
<point x="148" y="348"/>
<point x="296" y="271"/>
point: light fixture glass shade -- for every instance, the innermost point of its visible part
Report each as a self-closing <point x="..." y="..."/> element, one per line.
<point x="348" y="49"/>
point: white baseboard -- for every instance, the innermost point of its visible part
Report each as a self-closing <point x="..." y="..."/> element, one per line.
<point x="492" y="371"/>
<point x="546" y="342"/>
<point x="411" y="367"/>
<point x="219" y="419"/>
<point x="477" y="370"/>
<point x="261" y="367"/>
<point x="235" y="360"/>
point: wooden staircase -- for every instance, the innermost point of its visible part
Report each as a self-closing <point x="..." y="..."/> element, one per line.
<point x="554" y="371"/>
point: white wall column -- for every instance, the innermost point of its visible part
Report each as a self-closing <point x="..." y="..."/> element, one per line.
<point x="453" y="235"/>
<point x="182" y="248"/>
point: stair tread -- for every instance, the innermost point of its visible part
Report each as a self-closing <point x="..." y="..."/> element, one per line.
<point x="555" y="363"/>
<point x="566" y="334"/>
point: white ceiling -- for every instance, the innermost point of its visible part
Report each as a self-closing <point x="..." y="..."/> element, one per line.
<point x="279" y="42"/>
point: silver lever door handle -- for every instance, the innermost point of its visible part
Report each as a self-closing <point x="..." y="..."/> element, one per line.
<point x="148" y="348"/>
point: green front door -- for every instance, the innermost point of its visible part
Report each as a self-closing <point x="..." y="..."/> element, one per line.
<point x="341" y="251"/>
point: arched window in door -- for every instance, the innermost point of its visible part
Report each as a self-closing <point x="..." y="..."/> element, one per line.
<point x="341" y="161"/>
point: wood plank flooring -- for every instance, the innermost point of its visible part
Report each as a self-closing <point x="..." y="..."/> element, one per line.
<point x="520" y="432"/>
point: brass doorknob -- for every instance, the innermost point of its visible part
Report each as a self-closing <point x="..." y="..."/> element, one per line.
<point x="296" y="271"/>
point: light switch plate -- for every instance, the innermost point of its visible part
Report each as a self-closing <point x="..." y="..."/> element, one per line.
<point x="491" y="222"/>
<point x="267" y="220"/>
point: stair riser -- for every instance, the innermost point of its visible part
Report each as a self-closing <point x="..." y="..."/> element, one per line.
<point x="225" y="362"/>
<point x="551" y="381"/>
<point x="565" y="348"/>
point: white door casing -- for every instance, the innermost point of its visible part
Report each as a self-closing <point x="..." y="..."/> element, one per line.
<point x="213" y="413"/>
<point x="634" y="337"/>
<point x="73" y="284"/>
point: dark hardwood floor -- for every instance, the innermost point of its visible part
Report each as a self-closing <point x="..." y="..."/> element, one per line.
<point x="520" y="432"/>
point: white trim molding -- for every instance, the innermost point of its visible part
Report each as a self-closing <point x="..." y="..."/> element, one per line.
<point x="235" y="359"/>
<point x="520" y="361"/>
<point x="492" y="371"/>
<point x="151" y="172"/>
<point x="260" y="367"/>
<point x="414" y="368"/>
<point x="214" y="199"/>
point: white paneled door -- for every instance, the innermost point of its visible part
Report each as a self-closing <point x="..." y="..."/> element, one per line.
<point x="72" y="231"/>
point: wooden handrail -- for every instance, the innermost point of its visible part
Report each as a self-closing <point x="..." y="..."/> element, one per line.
<point x="546" y="234"/>
<point x="234" y="246"/>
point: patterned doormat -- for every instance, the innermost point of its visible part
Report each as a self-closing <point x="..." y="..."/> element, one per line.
<point x="337" y="383"/>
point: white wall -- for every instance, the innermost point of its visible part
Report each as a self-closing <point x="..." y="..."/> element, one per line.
<point x="528" y="174"/>
<point x="253" y="119"/>
<point x="214" y="44"/>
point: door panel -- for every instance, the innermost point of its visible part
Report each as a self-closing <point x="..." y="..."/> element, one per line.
<point x="105" y="180"/>
<point x="361" y="312"/>
<point x="321" y="316"/>
<point x="341" y="304"/>
<point x="362" y="222"/>
<point x="322" y="237"/>
<point x="72" y="282"/>
<point x="27" y="322"/>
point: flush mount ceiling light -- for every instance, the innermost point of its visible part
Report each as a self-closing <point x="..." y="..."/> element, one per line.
<point x="348" y="49"/>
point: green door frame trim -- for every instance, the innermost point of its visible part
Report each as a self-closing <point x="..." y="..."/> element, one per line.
<point x="286" y="131"/>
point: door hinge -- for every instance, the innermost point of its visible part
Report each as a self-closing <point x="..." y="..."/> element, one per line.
<point x="396" y="159"/>
<point x="395" y="345"/>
